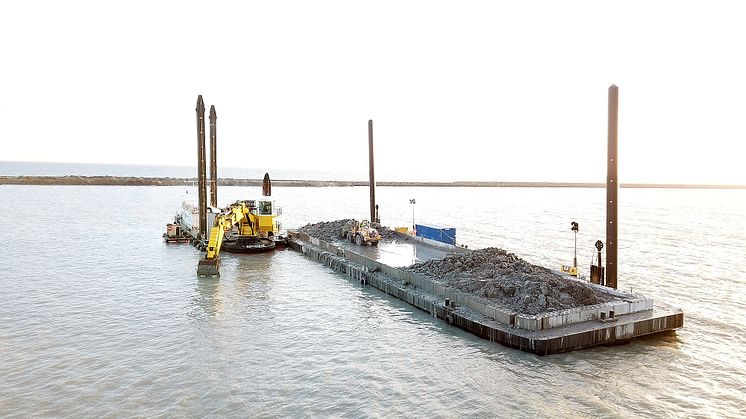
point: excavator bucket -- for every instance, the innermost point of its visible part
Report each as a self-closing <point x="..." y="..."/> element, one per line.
<point x="208" y="267"/>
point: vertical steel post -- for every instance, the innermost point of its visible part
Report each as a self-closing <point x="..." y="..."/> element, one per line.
<point x="213" y="158"/>
<point x="266" y="185"/>
<point x="574" y="227"/>
<point x="612" y="187"/>
<point x="413" y="201"/>
<point x="371" y="177"/>
<point x="201" y="167"/>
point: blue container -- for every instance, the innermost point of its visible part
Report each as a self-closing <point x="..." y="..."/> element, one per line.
<point x="442" y="234"/>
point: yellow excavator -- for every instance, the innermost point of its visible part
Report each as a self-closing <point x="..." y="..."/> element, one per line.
<point x="243" y="227"/>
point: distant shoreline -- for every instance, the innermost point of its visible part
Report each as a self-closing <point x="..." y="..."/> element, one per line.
<point x="169" y="181"/>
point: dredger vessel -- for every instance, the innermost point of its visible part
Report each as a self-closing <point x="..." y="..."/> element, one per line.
<point x="245" y="226"/>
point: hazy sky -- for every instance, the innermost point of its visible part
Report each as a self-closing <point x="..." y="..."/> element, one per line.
<point x="457" y="90"/>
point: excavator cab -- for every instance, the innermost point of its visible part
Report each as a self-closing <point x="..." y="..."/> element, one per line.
<point x="265" y="207"/>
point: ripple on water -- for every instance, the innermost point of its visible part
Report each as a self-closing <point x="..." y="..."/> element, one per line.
<point x="100" y="324"/>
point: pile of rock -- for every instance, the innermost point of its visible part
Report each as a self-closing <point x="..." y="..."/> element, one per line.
<point x="491" y="273"/>
<point x="330" y="231"/>
<point x="326" y="230"/>
<point x="386" y="233"/>
<point x="507" y="280"/>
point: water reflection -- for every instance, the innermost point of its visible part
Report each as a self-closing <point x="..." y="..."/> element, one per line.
<point x="423" y="253"/>
<point x="670" y="339"/>
<point x="253" y="275"/>
<point x="398" y="253"/>
<point x="206" y="301"/>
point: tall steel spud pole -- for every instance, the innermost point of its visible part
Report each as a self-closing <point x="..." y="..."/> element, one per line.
<point x="371" y="176"/>
<point x="612" y="187"/>
<point x="201" y="167"/>
<point x="213" y="159"/>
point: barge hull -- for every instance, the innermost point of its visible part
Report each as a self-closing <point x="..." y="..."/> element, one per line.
<point x="468" y="315"/>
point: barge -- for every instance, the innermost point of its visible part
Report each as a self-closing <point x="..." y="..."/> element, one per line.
<point x="621" y="318"/>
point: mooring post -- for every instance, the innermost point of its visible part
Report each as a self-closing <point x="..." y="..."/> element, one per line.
<point x="371" y="177"/>
<point x="612" y="187"/>
<point x="213" y="159"/>
<point x="201" y="167"/>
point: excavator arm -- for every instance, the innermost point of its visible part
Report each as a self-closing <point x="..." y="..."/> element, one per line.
<point x="237" y="214"/>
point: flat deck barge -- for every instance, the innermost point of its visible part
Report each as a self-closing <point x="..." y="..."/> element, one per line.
<point x="623" y="317"/>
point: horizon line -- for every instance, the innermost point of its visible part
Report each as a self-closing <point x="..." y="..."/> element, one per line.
<point x="109" y="180"/>
<point x="444" y="183"/>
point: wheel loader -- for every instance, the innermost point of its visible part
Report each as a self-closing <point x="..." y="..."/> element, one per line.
<point x="360" y="232"/>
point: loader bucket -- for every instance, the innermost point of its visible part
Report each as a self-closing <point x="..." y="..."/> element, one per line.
<point x="208" y="267"/>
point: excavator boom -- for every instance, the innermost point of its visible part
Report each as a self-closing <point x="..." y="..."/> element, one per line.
<point x="237" y="214"/>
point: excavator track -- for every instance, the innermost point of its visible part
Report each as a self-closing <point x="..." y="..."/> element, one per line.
<point x="248" y="244"/>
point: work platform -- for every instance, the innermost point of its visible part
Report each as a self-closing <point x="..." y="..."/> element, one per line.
<point x="623" y="317"/>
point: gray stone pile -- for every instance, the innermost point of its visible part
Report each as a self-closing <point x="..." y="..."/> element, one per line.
<point x="325" y="230"/>
<point x="507" y="280"/>
<point x="330" y="230"/>
<point x="386" y="233"/>
<point x="501" y="277"/>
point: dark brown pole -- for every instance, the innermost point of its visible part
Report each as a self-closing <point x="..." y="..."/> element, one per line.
<point x="201" y="167"/>
<point x="371" y="177"/>
<point x="266" y="185"/>
<point x="612" y="186"/>
<point x="213" y="159"/>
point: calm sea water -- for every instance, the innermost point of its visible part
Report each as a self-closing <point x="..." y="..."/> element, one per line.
<point x="98" y="317"/>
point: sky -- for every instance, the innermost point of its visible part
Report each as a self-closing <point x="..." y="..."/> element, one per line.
<point x="457" y="90"/>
